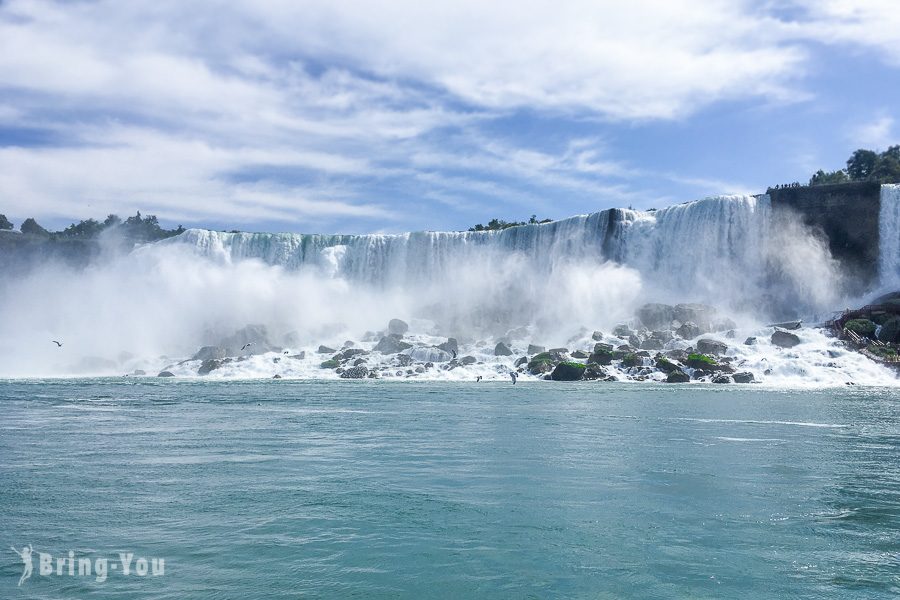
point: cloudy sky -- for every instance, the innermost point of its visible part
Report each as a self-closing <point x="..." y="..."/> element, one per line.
<point x="362" y="116"/>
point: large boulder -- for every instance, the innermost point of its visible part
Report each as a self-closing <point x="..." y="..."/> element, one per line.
<point x="540" y="363"/>
<point x="688" y="330"/>
<point x="451" y="346"/>
<point x="593" y="372"/>
<point x="712" y="347"/>
<point x="701" y="314"/>
<point x="428" y="354"/>
<point x="397" y="327"/>
<point x="632" y="360"/>
<point x="166" y="374"/>
<point x="784" y="339"/>
<point x="665" y="365"/>
<point x="656" y="316"/>
<point x="391" y="344"/>
<point x="601" y="356"/>
<point x="326" y="350"/>
<point x="502" y="349"/>
<point x="702" y="361"/>
<point x="622" y="331"/>
<point x="558" y="354"/>
<point x="350" y="353"/>
<point x="468" y="360"/>
<point x="568" y="371"/>
<point x="533" y="349"/>
<point x="677" y="377"/>
<point x="210" y="352"/>
<point x="358" y="372"/>
<point x="208" y="366"/>
<point x="743" y="377"/>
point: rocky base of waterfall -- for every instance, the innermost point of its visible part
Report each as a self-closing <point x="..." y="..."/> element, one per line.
<point x="671" y="344"/>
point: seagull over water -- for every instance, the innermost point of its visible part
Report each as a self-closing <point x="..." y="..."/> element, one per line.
<point x="245" y="346"/>
<point x="58" y="344"/>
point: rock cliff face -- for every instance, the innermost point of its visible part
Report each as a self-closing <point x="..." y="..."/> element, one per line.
<point x="847" y="215"/>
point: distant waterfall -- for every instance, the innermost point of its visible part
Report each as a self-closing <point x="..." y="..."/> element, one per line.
<point x="889" y="234"/>
<point x="727" y="250"/>
<point x="709" y="238"/>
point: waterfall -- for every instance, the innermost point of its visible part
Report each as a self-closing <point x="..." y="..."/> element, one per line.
<point x="721" y="250"/>
<point x="889" y="236"/>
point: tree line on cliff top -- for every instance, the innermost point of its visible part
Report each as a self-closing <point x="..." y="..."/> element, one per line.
<point x="864" y="165"/>
<point x="135" y="229"/>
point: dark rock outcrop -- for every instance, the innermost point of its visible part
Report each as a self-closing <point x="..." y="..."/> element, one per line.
<point x="677" y="377"/>
<point x="784" y="339"/>
<point x="210" y="352"/>
<point x="688" y="330"/>
<point x="358" y="372"/>
<point x="743" y="377"/>
<point x="502" y="349"/>
<point x="397" y="327"/>
<point x="166" y="374"/>
<point x="540" y="363"/>
<point x="711" y="347"/>
<point x="391" y="344"/>
<point x="656" y="316"/>
<point x="451" y="346"/>
<point x="558" y="354"/>
<point x="568" y="371"/>
<point x="208" y="366"/>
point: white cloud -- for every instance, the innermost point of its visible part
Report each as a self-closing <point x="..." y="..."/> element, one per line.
<point x="877" y="134"/>
<point x="873" y="24"/>
<point x="292" y="109"/>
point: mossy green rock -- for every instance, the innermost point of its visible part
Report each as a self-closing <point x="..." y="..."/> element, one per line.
<point x="666" y="366"/>
<point x="700" y="361"/>
<point x="331" y="364"/>
<point x="568" y="371"/>
<point x="677" y="377"/>
<point x="603" y="357"/>
<point x="632" y="360"/>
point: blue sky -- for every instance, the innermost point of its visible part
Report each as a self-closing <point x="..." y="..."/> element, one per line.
<point x="358" y="116"/>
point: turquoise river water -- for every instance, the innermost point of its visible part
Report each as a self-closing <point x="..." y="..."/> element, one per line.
<point x="375" y="489"/>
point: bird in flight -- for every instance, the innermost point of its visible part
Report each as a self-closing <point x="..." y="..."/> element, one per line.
<point x="58" y="344"/>
<point x="245" y="346"/>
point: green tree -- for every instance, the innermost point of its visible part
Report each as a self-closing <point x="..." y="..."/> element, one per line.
<point x="861" y="164"/>
<point x="4" y="223"/>
<point x="31" y="226"/>
<point x="887" y="168"/>
<point x="822" y="178"/>
<point x="87" y="229"/>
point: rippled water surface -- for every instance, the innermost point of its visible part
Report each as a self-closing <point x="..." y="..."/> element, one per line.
<point x="377" y="489"/>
